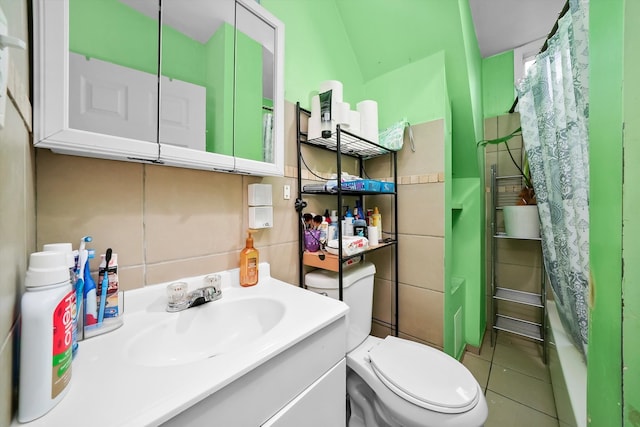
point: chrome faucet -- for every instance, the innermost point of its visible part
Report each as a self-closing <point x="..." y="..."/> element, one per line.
<point x="179" y="299"/>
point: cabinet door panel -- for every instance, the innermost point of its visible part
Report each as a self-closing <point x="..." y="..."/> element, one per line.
<point x="322" y="404"/>
<point x="182" y="114"/>
<point x="111" y="99"/>
<point x="95" y="84"/>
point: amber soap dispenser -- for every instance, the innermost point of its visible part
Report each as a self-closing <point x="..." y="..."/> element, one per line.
<point x="249" y="263"/>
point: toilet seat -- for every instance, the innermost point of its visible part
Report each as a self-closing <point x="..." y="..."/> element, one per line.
<point x="424" y="376"/>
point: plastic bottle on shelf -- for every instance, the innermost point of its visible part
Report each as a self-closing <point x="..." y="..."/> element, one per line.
<point x="347" y="229"/>
<point x="332" y="231"/>
<point x="46" y="336"/>
<point x="360" y="228"/>
<point x="67" y="250"/>
<point x="324" y="230"/>
<point x="327" y="217"/>
<point x="376" y="221"/>
<point x="334" y="217"/>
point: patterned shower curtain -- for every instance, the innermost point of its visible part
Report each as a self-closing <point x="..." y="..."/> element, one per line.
<point x="554" y="112"/>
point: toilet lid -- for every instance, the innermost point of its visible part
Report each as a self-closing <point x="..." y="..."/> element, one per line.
<point x="424" y="376"/>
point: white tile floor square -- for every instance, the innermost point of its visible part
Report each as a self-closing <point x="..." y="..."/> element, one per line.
<point x="516" y="382"/>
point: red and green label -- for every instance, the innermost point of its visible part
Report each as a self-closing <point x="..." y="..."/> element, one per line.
<point x="62" y="339"/>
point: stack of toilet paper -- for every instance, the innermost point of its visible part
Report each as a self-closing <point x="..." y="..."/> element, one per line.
<point x="368" y="120"/>
<point x="363" y="121"/>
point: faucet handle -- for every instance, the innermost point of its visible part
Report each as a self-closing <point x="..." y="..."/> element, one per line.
<point x="177" y="296"/>
<point x="214" y="280"/>
<point x="214" y="284"/>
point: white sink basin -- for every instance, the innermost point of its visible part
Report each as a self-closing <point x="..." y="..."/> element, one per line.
<point x="262" y="344"/>
<point x="201" y="332"/>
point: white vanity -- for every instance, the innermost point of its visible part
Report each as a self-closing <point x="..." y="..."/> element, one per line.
<point x="272" y="354"/>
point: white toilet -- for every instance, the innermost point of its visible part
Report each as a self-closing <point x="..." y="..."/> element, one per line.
<point x="396" y="382"/>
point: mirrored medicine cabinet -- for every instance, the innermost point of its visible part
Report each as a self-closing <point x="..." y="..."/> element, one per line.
<point x="188" y="83"/>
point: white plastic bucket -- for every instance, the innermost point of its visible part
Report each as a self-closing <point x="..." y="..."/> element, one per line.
<point x="522" y="221"/>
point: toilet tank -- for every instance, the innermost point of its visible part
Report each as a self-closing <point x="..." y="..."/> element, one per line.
<point x="357" y="293"/>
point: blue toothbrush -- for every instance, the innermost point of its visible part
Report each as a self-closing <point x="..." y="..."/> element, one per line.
<point x="83" y="256"/>
<point x="105" y="285"/>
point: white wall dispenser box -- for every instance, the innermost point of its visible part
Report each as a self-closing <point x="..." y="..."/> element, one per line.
<point x="260" y="206"/>
<point x="260" y="195"/>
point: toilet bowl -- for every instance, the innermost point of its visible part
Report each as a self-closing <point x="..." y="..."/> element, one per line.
<point x="394" y="382"/>
<point x="412" y="385"/>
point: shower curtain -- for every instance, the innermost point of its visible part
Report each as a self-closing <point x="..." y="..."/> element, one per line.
<point x="554" y="112"/>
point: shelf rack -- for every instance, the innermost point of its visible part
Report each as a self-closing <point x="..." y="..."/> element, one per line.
<point x="342" y="142"/>
<point x="504" y="196"/>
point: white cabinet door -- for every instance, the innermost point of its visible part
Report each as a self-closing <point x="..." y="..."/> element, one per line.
<point x="111" y="99"/>
<point x="182" y="114"/>
<point x="322" y="404"/>
<point x="115" y="100"/>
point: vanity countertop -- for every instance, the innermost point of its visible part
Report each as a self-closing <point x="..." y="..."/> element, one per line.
<point x="109" y="388"/>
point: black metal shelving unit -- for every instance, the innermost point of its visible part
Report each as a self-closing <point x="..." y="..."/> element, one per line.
<point x="343" y="142"/>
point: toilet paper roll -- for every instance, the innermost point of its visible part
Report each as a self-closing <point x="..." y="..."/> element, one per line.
<point x="342" y="116"/>
<point x="368" y="120"/>
<point x="354" y="122"/>
<point x="314" y="130"/>
<point x="335" y="86"/>
<point x="315" y="106"/>
<point x="372" y="235"/>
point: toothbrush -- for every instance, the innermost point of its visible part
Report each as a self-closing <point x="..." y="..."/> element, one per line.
<point x="80" y="268"/>
<point x="105" y="285"/>
<point x="85" y="239"/>
<point x="83" y="255"/>
<point x="90" y="303"/>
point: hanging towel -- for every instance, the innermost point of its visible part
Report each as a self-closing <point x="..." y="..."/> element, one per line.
<point x="393" y="136"/>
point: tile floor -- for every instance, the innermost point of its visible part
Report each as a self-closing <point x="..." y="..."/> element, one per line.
<point x="516" y="382"/>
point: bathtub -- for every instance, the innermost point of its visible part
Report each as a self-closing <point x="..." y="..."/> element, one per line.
<point x="568" y="373"/>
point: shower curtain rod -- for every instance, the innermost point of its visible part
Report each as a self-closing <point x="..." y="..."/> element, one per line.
<point x="564" y="11"/>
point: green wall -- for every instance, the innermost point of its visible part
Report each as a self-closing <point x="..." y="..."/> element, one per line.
<point x="357" y="41"/>
<point x="466" y="150"/>
<point x="387" y="35"/>
<point x="92" y="33"/>
<point x="468" y="189"/>
<point x="418" y="103"/>
<point x="604" y="382"/>
<point x="316" y="49"/>
<point x="465" y="240"/>
<point x="630" y="219"/>
<point x="183" y="58"/>
<point x="219" y="78"/>
<point x="248" y="101"/>
<point x="347" y="44"/>
<point x="497" y="84"/>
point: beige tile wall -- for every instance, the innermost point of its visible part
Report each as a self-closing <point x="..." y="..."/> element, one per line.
<point x="17" y="201"/>
<point x="420" y="232"/>
<point x="519" y="262"/>
<point x="420" y="237"/>
<point x="164" y="222"/>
